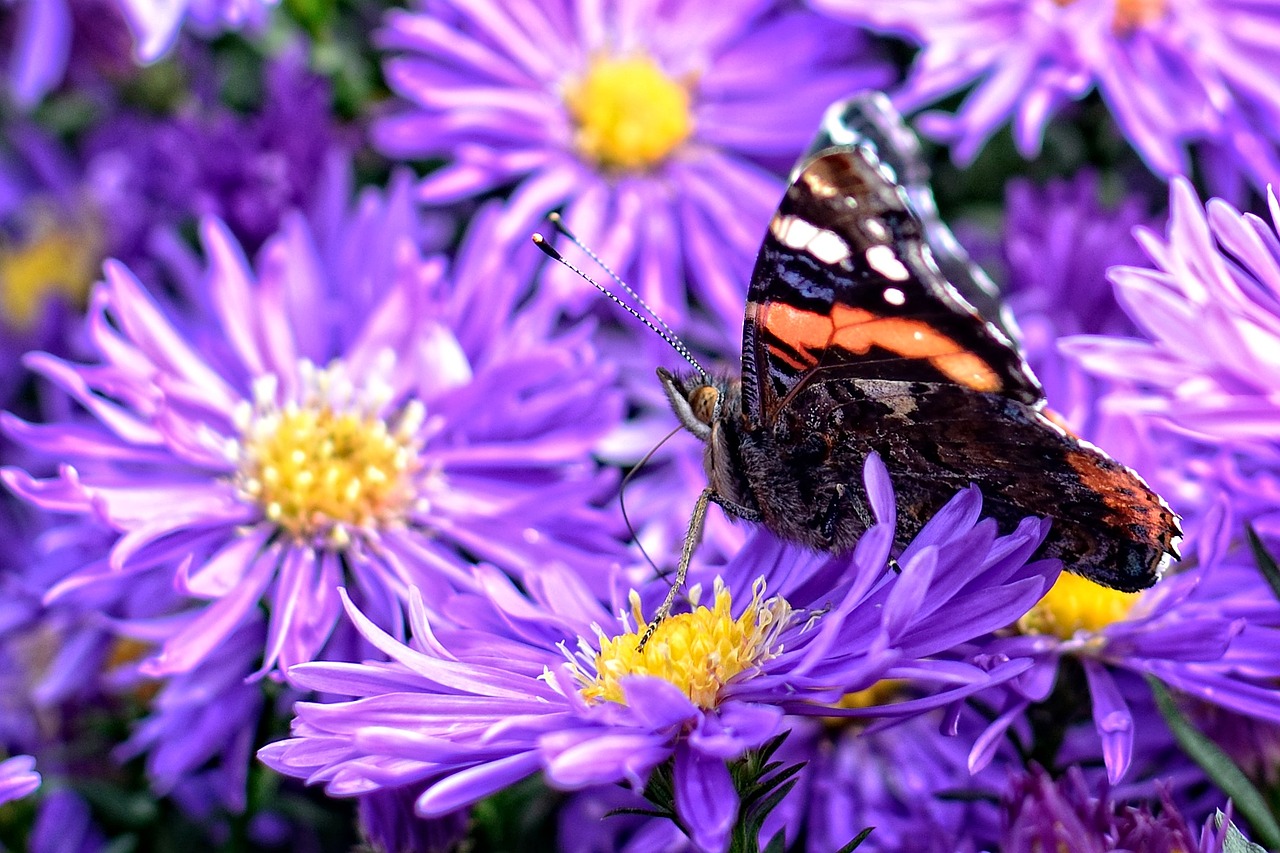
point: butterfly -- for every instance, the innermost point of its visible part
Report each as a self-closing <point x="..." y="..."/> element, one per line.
<point x="863" y="334"/>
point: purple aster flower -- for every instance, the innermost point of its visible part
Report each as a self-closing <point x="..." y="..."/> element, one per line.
<point x="1171" y="73"/>
<point x="198" y="737"/>
<point x="49" y="36"/>
<point x="1059" y="240"/>
<point x="51" y="244"/>
<point x="64" y="825"/>
<point x="509" y="685"/>
<point x="153" y="175"/>
<point x="659" y="128"/>
<point x="388" y="824"/>
<point x="18" y="777"/>
<point x="1044" y="814"/>
<point x="1215" y="282"/>
<point x="40" y="50"/>
<point x="1205" y="631"/>
<point x="908" y="781"/>
<point x="376" y="421"/>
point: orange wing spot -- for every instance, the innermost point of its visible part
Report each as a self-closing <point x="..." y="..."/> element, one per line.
<point x="968" y="370"/>
<point x="792" y="361"/>
<point x="858" y="330"/>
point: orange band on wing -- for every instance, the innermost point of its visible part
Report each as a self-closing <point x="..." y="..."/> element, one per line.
<point x="858" y="330"/>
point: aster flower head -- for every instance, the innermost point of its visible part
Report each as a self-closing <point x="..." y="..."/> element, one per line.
<point x="1047" y="814"/>
<point x="1202" y="631"/>
<point x="362" y="419"/>
<point x="1203" y="377"/>
<point x="657" y="127"/>
<point x="554" y="683"/>
<point x="1171" y="72"/>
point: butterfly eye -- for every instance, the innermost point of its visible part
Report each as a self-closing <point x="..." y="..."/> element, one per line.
<point x="702" y="400"/>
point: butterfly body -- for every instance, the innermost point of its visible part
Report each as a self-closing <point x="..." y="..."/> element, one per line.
<point x="855" y="343"/>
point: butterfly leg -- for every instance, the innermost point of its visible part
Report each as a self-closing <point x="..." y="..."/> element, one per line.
<point x="691" y="539"/>
<point x="736" y="509"/>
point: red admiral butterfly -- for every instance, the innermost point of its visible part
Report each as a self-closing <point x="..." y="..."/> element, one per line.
<point x="861" y="336"/>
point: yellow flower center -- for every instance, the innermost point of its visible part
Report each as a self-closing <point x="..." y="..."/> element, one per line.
<point x="629" y="114"/>
<point x="56" y="259"/>
<point x="330" y="465"/>
<point x="1131" y="14"/>
<point x="1077" y="604"/>
<point x="699" y="652"/>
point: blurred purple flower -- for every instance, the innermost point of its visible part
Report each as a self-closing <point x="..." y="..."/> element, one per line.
<point x="65" y="825"/>
<point x="1207" y="374"/>
<point x="1059" y="240"/>
<point x="40" y="50"/>
<point x="910" y="782"/>
<point x="51" y="244"/>
<point x="553" y="682"/>
<point x="50" y="35"/>
<point x="1171" y="73"/>
<point x="156" y="23"/>
<point x="388" y="824"/>
<point x="659" y="128"/>
<point x="199" y="735"/>
<point x="18" y="777"/>
<point x="1044" y="814"/>
<point x="150" y="175"/>
<point x="373" y="421"/>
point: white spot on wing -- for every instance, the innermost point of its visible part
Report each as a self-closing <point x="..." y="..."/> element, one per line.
<point x="829" y="247"/>
<point x="884" y="261"/>
<point x="795" y="233"/>
<point x="894" y="296"/>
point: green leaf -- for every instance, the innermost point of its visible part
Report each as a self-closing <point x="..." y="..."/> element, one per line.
<point x="857" y="841"/>
<point x="1266" y="562"/>
<point x="1235" y="842"/>
<point x="777" y="844"/>
<point x="1218" y="766"/>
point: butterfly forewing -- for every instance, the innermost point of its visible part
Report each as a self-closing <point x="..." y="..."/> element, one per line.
<point x="845" y="286"/>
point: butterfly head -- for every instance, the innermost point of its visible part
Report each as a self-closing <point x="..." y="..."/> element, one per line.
<point x="700" y="401"/>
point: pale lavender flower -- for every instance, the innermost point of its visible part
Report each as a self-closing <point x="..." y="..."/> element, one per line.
<point x="1205" y="375"/>
<point x="661" y="129"/>
<point x="156" y="23"/>
<point x="40" y="50"/>
<point x="1172" y="73"/>
<point x="377" y="420"/>
<point x="510" y="685"/>
<point x="18" y="777"/>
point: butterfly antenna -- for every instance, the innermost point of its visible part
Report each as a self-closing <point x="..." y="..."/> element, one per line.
<point x="622" y="498"/>
<point x="559" y="225"/>
<point x="665" y="332"/>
